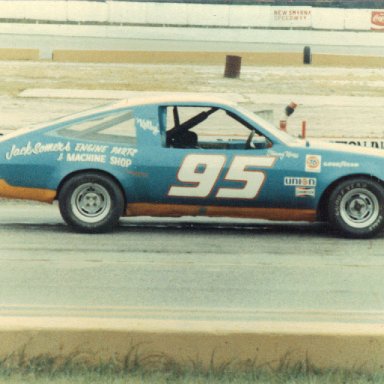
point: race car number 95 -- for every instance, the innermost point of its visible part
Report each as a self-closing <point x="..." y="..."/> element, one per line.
<point x="200" y="173"/>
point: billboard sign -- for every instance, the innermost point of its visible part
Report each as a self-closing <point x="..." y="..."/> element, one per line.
<point x="377" y="21"/>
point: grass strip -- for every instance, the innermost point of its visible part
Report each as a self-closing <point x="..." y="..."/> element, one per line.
<point x="17" y="369"/>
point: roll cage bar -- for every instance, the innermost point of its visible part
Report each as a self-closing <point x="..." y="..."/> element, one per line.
<point x="179" y="129"/>
<point x="199" y="118"/>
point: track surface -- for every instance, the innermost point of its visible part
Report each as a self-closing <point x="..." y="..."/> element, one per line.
<point x="187" y="269"/>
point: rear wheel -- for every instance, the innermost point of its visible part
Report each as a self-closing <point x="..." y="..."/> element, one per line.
<point x="91" y="202"/>
<point x="355" y="208"/>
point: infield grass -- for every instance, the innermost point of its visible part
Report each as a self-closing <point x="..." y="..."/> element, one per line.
<point x="46" y="370"/>
<point x="335" y="377"/>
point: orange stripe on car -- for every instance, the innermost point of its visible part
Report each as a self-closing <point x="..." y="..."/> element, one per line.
<point x="146" y="209"/>
<point x="38" y="194"/>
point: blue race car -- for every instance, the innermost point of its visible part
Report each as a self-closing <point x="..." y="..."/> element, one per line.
<point x="190" y="156"/>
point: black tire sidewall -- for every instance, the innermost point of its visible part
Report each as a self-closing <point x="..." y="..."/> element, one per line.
<point x="335" y="217"/>
<point x="307" y="55"/>
<point x="108" y="222"/>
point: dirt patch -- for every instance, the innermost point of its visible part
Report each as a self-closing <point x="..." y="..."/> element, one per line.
<point x="214" y="58"/>
<point x="292" y="82"/>
<point x="309" y="80"/>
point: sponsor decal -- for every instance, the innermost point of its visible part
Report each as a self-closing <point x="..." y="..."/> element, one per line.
<point x="122" y="156"/>
<point x="85" y="157"/>
<point x="313" y="163"/>
<point x="120" y="161"/>
<point x="95" y="148"/>
<point x="300" y="181"/>
<point x="283" y="155"/>
<point x="147" y="125"/>
<point x="377" y="21"/>
<point x="78" y="153"/>
<point x="85" y="152"/>
<point x="340" y="164"/>
<point x="37" y="149"/>
<point x="305" y="192"/>
<point x="362" y="143"/>
<point x="97" y="153"/>
<point x="123" y="151"/>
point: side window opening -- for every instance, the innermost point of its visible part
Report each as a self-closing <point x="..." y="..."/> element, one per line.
<point x="207" y="128"/>
<point x="114" y="128"/>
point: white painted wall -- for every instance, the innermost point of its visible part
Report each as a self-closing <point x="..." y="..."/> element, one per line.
<point x="163" y="13"/>
<point x="191" y="15"/>
<point x="86" y="11"/>
<point x="357" y="19"/>
<point x="120" y="13"/>
<point x="246" y="16"/>
<point x="325" y="18"/>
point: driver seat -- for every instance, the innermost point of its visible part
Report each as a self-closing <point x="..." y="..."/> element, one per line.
<point x="186" y="139"/>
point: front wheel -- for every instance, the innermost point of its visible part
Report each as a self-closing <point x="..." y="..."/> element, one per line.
<point x="91" y="202"/>
<point x="356" y="208"/>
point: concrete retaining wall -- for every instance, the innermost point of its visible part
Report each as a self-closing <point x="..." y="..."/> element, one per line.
<point x="210" y="345"/>
<point x="202" y="15"/>
<point x="204" y="58"/>
<point x="197" y="58"/>
<point x="214" y="58"/>
<point x="19" y="54"/>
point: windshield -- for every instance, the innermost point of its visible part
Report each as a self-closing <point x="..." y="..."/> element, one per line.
<point x="283" y="136"/>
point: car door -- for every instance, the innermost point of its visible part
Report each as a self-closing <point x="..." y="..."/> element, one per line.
<point x="225" y="173"/>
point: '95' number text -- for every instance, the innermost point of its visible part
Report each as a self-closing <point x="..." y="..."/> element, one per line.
<point x="200" y="173"/>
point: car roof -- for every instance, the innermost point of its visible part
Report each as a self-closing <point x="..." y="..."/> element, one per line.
<point x="177" y="98"/>
<point x="189" y="99"/>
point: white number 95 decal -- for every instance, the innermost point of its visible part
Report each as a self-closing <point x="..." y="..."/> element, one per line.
<point x="200" y="173"/>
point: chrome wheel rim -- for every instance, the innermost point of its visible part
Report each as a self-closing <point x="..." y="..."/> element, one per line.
<point x="91" y="202"/>
<point x="359" y="208"/>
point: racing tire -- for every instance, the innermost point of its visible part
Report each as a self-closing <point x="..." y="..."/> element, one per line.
<point x="307" y="55"/>
<point x="91" y="203"/>
<point x="356" y="208"/>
